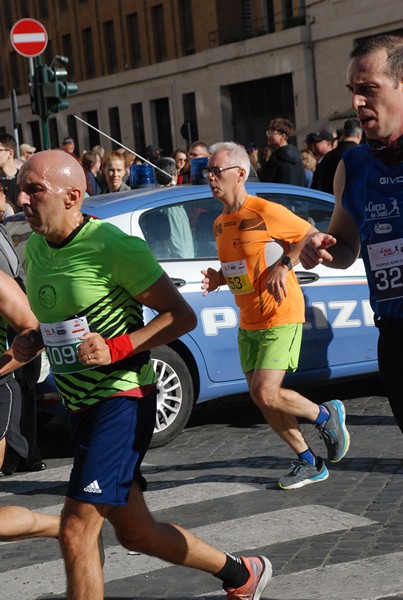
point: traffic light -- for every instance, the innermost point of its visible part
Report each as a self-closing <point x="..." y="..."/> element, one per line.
<point x="48" y="87"/>
<point x="35" y="90"/>
<point x="55" y="87"/>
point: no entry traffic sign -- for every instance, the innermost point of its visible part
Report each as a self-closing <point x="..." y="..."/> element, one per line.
<point x="29" y="37"/>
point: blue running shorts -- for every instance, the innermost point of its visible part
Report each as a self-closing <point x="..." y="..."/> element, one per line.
<point x="110" y="440"/>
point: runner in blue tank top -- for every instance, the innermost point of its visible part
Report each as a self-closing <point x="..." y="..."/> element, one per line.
<point x="368" y="214"/>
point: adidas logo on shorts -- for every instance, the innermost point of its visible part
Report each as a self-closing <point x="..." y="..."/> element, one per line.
<point x="93" y="488"/>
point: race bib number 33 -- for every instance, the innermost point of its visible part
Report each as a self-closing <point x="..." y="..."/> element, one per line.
<point x="236" y="277"/>
<point x="61" y="342"/>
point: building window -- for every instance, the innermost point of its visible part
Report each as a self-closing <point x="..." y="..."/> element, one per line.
<point x="255" y="102"/>
<point x="271" y="16"/>
<point x="160" y="43"/>
<point x="24" y="8"/>
<point x="72" y="130"/>
<point x="138" y="128"/>
<point x="43" y="8"/>
<point x="68" y="51"/>
<point x="186" y="26"/>
<point x="293" y="13"/>
<point x="114" y="125"/>
<point x="190" y="114"/>
<point x="110" y="46"/>
<point x="91" y="137"/>
<point x="89" y="53"/>
<point x="35" y="134"/>
<point x="48" y="54"/>
<point x="133" y="37"/>
<point x="15" y="73"/>
<point x="53" y="133"/>
<point x="162" y="124"/>
<point x="8" y="14"/>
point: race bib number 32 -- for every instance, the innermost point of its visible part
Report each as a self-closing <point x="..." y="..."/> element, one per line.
<point x="386" y="261"/>
<point x="61" y="341"/>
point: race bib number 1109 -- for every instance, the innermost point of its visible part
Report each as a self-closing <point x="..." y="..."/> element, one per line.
<point x="61" y="341"/>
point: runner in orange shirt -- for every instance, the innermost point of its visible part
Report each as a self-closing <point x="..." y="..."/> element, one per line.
<point x="258" y="244"/>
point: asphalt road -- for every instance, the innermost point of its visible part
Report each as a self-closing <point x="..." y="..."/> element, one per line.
<point x="341" y="539"/>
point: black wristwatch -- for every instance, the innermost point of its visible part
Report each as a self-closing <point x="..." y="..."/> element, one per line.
<point x="286" y="260"/>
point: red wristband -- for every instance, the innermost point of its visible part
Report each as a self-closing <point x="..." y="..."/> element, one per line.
<point x="120" y="347"/>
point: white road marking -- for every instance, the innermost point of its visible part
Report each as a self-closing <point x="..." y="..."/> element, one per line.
<point x="366" y="579"/>
<point x="235" y="535"/>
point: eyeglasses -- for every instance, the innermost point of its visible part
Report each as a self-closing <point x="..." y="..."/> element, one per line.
<point x="273" y="132"/>
<point x="4" y="190"/>
<point x="216" y="171"/>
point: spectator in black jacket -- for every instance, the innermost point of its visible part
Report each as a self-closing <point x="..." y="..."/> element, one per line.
<point x="285" y="164"/>
<point x="350" y="137"/>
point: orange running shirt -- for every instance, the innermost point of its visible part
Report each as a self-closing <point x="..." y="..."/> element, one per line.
<point x="241" y="239"/>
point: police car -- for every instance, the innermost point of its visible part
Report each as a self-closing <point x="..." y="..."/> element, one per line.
<point x="339" y="337"/>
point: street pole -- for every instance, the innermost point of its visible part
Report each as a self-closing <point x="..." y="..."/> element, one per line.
<point x="43" y="117"/>
<point x="14" y="112"/>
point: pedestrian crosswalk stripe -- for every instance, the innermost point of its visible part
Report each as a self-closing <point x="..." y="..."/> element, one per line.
<point x="24" y="483"/>
<point x="236" y="535"/>
<point x="366" y="579"/>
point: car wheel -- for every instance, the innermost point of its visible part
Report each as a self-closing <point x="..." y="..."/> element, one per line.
<point x="175" y="395"/>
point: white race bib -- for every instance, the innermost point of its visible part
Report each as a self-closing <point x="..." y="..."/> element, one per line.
<point x="236" y="277"/>
<point x="61" y="341"/>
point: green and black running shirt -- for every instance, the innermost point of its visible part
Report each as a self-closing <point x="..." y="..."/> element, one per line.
<point x="93" y="275"/>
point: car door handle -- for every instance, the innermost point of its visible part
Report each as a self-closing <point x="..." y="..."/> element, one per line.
<point x="305" y="277"/>
<point x="178" y="282"/>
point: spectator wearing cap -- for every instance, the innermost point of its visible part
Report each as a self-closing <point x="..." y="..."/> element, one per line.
<point x="322" y="143"/>
<point x="350" y="137"/>
<point x="68" y="145"/>
<point x="153" y="153"/>
<point x="285" y="164"/>
<point x="26" y="151"/>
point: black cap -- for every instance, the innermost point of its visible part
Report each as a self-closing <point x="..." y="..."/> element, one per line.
<point x="153" y="149"/>
<point x="322" y="135"/>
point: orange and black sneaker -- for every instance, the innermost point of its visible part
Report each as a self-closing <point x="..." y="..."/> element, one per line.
<point x="260" y="571"/>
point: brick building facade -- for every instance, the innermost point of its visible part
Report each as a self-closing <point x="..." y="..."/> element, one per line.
<point x="147" y="67"/>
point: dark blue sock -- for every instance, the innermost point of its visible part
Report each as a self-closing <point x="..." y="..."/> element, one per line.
<point x="323" y="415"/>
<point x="308" y="456"/>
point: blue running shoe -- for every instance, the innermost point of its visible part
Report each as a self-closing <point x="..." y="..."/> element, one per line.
<point x="302" y="473"/>
<point x="334" y="431"/>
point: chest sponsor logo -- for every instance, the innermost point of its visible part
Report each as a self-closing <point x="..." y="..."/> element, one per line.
<point x="392" y="180"/>
<point x="47" y="296"/>
<point x="382" y="210"/>
<point x="382" y="228"/>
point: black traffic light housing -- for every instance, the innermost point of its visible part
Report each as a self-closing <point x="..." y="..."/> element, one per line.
<point x="49" y="88"/>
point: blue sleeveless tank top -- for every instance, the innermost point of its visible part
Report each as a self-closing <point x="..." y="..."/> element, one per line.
<point x="373" y="195"/>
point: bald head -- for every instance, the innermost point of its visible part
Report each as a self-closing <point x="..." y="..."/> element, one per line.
<point x="57" y="170"/>
<point x="52" y="192"/>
